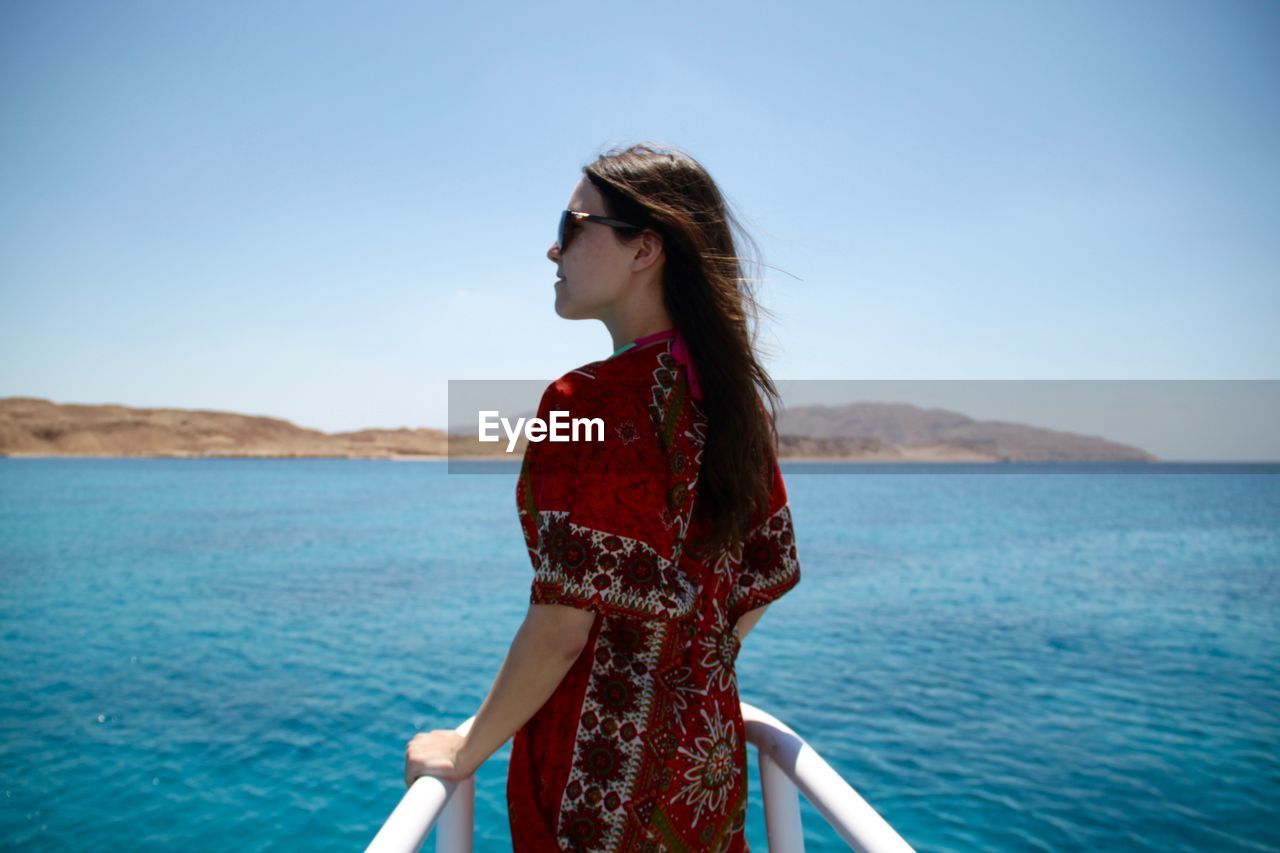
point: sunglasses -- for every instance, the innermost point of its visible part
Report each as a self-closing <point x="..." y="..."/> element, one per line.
<point x="570" y="218"/>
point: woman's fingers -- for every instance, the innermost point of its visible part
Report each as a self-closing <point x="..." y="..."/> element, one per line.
<point x="432" y="753"/>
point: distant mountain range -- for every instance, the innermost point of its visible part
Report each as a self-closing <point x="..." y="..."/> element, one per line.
<point x="30" y="426"/>
<point x="889" y="429"/>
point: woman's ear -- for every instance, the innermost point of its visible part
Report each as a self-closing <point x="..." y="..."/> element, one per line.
<point x="650" y="251"/>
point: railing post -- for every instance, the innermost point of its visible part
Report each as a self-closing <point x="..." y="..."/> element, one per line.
<point x="455" y="828"/>
<point x="781" y="807"/>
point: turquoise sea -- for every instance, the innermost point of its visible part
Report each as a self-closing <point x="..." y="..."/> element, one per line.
<point x="231" y="654"/>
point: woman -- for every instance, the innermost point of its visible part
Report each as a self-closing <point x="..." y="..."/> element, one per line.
<point x="655" y="550"/>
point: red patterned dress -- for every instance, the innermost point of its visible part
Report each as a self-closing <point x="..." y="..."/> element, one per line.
<point x="642" y="745"/>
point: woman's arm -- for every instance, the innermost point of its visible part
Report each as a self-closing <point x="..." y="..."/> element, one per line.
<point x="544" y="649"/>
<point x="748" y="620"/>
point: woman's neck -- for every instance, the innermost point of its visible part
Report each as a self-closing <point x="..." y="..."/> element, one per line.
<point x="625" y="333"/>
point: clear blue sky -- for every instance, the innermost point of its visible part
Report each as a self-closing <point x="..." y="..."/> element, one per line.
<point x="324" y="211"/>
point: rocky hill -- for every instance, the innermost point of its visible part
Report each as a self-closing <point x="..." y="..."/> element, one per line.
<point x="32" y="426"/>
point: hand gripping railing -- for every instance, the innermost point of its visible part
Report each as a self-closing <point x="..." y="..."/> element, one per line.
<point x="447" y="805"/>
<point x="788" y="767"/>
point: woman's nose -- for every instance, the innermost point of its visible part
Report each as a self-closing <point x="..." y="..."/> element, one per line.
<point x="553" y="254"/>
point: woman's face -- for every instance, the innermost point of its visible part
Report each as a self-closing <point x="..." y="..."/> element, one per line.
<point x="596" y="268"/>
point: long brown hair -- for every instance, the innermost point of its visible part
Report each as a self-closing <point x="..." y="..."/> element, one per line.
<point x="710" y="300"/>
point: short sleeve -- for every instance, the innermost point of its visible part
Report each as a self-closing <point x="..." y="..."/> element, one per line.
<point x="770" y="565"/>
<point x="592" y="526"/>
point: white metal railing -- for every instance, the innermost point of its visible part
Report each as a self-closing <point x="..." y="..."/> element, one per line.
<point x="788" y="767"/>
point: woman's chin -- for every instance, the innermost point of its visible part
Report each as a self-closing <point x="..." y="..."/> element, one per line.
<point x="565" y="309"/>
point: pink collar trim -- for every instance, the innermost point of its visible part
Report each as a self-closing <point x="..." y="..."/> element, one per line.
<point x="680" y="350"/>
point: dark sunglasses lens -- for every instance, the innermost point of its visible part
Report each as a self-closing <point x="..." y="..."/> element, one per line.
<point x="562" y="234"/>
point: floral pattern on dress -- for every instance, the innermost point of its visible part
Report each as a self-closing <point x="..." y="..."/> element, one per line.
<point x="609" y="744"/>
<point x="770" y="565"/>
<point x="621" y="572"/>
<point x="719" y="648"/>
<point x="712" y="765"/>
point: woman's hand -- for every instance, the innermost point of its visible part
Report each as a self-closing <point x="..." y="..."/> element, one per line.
<point x="436" y="753"/>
